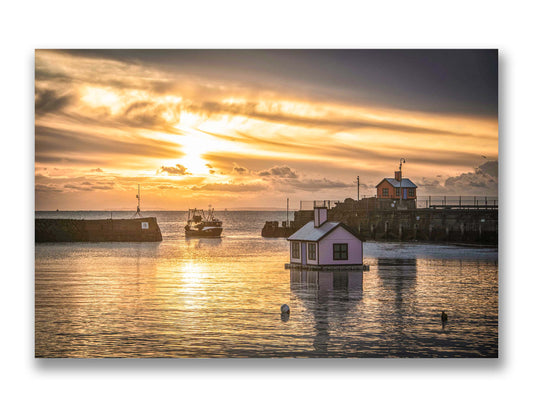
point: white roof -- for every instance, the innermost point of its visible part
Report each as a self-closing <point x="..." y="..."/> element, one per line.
<point x="308" y="232"/>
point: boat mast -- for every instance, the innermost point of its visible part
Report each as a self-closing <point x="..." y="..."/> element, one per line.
<point x="287" y="212"/>
<point x="138" y="213"/>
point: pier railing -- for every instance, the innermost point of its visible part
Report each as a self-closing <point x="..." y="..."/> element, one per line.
<point x="310" y="205"/>
<point x="429" y="201"/>
<point x="457" y="202"/>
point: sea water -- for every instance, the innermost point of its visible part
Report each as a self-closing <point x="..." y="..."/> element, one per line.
<point x="203" y="298"/>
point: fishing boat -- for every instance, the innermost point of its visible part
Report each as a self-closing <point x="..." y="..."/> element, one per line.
<point x="202" y="224"/>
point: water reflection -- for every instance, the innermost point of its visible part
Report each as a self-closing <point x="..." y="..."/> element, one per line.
<point x="399" y="278"/>
<point x="330" y="296"/>
<point x="197" y="243"/>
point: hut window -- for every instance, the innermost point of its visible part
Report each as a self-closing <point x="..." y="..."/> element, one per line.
<point x="385" y="191"/>
<point x="311" y="252"/>
<point x="411" y="192"/>
<point x="295" y="250"/>
<point x="397" y="191"/>
<point x="340" y="251"/>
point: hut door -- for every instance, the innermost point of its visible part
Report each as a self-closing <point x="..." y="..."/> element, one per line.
<point x="304" y="253"/>
<point x="405" y="193"/>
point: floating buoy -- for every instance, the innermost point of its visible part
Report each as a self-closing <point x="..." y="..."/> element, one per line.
<point x="285" y="309"/>
<point x="443" y="316"/>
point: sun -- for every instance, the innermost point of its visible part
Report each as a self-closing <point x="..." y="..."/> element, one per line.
<point x="194" y="146"/>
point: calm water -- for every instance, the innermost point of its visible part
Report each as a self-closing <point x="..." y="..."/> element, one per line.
<point x="222" y="297"/>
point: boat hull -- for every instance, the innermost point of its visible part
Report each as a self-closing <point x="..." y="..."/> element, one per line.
<point x="211" y="232"/>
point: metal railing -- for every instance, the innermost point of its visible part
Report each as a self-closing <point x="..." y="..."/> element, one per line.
<point x="457" y="201"/>
<point x="429" y="201"/>
<point x="310" y="205"/>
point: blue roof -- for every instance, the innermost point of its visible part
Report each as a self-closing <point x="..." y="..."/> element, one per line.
<point x="406" y="183"/>
<point x="309" y="233"/>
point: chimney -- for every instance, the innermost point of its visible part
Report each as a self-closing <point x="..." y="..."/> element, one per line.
<point x="398" y="175"/>
<point x="321" y="215"/>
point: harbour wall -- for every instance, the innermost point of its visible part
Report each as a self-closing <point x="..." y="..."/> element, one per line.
<point x="476" y="226"/>
<point x="98" y="230"/>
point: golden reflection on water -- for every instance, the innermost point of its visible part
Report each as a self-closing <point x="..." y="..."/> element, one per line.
<point x="222" y="298"/>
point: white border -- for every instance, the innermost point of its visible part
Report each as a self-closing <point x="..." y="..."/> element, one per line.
<point x="243" y="24"/>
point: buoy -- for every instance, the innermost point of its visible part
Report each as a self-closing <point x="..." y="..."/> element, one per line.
<point x="285" y="309"/>
<point x="444" y="316"/>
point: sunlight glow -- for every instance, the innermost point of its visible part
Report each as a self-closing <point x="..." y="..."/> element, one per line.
<point x="101" y="97"/>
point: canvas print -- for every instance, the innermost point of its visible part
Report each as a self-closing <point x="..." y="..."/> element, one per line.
<point x="268" y="203"/>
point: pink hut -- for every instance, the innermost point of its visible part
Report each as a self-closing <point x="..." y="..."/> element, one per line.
<point x="323" y="245"/>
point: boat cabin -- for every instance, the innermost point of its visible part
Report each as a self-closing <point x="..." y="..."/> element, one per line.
<point x="323" y="243"/>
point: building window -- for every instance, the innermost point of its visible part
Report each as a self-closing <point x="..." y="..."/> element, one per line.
<point x="340" y="251"/>
<point x="385" y="192"/>
<point x="397" y="191"/>
<point x="311" y="251"/>
<point x="295" y="250"/>
<point x="411" y="192"/>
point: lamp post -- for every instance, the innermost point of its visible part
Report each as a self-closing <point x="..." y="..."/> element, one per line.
<point x="402" y="161"/>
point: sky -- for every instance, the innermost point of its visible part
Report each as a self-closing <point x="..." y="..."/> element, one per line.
<point x="250" y="128"/>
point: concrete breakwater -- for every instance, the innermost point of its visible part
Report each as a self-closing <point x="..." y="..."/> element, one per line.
<point x="273" y="229"/>
<point x="99" y="230"/>
<point x="476" y="226"/>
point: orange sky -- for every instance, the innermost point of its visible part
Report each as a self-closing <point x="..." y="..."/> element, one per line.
<point x="194" y="131"/>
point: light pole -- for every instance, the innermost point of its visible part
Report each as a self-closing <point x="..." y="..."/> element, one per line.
<point x="402" y="160"/>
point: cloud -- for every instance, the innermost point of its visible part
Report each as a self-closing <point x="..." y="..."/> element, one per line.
<point x="43" y="188"/>
<point x="55" y="144"/>
<point x="240" y="170"/>
<point x="484" y="180"/>
<point x="176" y="170"/>
<point x="316" y="184"/>
<point x="90" y="186"/>
<point x="490" y="168"/>
<point x="252" y="110"/>
<point x="230" y="187"/>
<point x="279" y="172"/>
<point x="48" y="101"/>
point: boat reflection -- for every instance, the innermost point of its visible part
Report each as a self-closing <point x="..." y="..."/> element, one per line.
<point x="331" y="297"/>
<point x="197" y="243"/>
